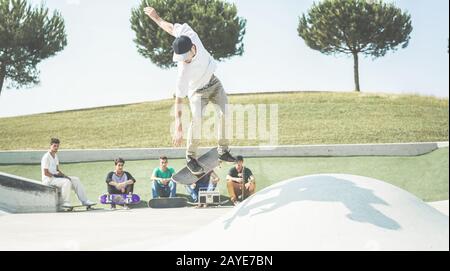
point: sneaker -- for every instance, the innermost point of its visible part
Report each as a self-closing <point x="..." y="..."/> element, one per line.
<point x="194" y="166"/>
<point x="126" y="207"/>
<point x="89" y="203"/>
<point x="226" y="157"/>
<point x="66" y="204"/>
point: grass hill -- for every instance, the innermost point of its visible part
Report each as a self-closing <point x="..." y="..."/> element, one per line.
<point x="303" y="118"/>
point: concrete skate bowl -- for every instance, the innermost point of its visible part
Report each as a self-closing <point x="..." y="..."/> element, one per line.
<point x="325" y="212"/>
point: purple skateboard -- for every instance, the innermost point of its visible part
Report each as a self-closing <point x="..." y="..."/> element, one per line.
<point x="119" y="199"/>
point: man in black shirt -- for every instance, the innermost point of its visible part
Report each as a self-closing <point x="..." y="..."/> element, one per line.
<point x="119" y="181"/>
<point x="240" y="181"/>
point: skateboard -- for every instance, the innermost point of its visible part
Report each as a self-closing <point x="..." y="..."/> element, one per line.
<point x="72" y="207"/>
<point x="209" y="161"/>
<point x="119" y="199"/>
<point x="177" y="202"/>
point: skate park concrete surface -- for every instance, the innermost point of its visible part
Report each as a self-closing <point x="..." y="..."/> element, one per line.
<point x="101" y="229"/>
<point x="315" y="212"/>
<point x="326" y="212"/>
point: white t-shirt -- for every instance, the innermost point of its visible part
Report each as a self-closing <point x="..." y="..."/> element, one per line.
<point x="50" y="163"/>
<point x="196" y="74"/>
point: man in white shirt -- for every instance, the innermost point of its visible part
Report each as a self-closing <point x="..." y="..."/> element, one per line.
<point x="197" y="81"/>
<point x="52" y="175"/>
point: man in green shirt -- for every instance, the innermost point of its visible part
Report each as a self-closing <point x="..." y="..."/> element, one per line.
<point x="163" y="186"/>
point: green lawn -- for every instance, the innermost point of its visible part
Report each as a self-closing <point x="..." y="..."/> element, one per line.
<point x="425" y="176"/>
<point x="303" y="118"/>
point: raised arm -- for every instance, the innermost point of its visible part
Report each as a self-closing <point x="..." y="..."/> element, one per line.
<point x="166" y="26"/>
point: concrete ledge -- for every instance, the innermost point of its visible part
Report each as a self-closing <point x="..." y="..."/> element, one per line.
<point x="443" y="144"/>
<point x="21" y="195"/>
<point x="72" y="156"/>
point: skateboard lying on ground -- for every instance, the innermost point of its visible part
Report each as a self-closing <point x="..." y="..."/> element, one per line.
<point x="177" y="202"/>
<point x="209" y="161"/>
<point x="119" y="199"/>
<point x="72" y="207"/>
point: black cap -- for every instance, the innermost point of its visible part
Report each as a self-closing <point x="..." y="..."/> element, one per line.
<point x="181" y="46"/>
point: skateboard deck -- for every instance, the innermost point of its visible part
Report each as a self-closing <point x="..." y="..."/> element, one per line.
<point x="119" y="199"/>
<point x="72" y="207"/>
<point x="209" y="161"/>
<point x="177" y="202"/>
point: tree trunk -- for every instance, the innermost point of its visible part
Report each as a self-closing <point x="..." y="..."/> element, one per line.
<point x="2" y="77"/>
<point x="356" y="71"/>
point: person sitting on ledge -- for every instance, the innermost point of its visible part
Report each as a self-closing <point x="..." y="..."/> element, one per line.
<point x="52" y="175"/>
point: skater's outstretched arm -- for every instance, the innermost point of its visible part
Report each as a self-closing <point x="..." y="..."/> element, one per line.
<point x="166" y="26"/>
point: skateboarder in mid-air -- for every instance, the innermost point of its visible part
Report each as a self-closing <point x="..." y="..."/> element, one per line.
<point x="196" y="80"/>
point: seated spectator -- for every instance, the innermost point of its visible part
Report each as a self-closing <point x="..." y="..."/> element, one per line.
<point x="163" y="186"/>
<point x="119" y="181"/>
<point x="52" y="175"/>
<point x="208" y="182"/>
<point x="240" y="181"/>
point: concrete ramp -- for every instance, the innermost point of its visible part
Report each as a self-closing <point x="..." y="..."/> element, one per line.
<point x="22" y="195"/>
<point x="325" y="212"/>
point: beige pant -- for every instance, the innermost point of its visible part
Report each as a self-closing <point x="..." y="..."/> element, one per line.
<point x="237" y="189"/>
<point x="66" y="186"/>
<point x="198" y="102"/>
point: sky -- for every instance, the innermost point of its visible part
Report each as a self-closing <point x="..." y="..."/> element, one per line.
<point x="101" y="65"/>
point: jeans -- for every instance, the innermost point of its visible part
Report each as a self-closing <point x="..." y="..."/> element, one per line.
<point x="200" y="185"/>
<point x="164" y="191"/>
